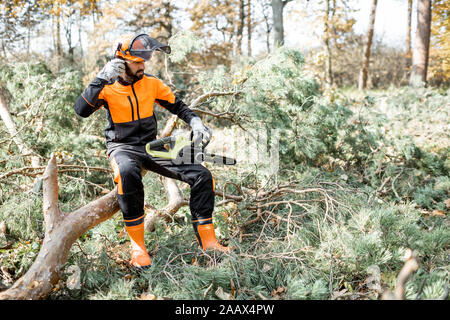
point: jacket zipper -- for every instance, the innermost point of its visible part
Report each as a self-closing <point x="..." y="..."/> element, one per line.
<point x="137" y="112"/>
<point x="132" y="111"/>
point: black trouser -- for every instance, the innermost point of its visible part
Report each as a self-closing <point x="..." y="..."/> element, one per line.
<point x="128" y="163"/>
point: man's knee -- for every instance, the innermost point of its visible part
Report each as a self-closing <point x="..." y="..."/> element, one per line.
<point x="127" y="174"/>
<point x="204" y="179"/>
<point x="129" y="169"/>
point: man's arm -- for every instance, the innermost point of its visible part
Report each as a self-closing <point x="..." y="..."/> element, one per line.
<point x="91" y="99"/>
<point x="88" y="102"/>
<point x="166" y="99"/>
<point x="179" y="108"/>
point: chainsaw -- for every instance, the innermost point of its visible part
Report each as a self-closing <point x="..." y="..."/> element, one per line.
<point x="182" y="151"/>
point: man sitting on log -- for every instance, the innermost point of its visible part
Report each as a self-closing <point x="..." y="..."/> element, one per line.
<point x="128" y="96"/>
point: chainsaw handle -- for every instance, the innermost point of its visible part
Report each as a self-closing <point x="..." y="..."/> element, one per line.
<point x="160" y="142"/>
<point x="207" y="142"/>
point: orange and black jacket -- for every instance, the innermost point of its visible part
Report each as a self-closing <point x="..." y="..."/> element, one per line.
<point x="129" y="108"/>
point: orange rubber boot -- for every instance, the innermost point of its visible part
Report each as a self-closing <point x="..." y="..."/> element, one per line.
<point x="208" y="239"/>
<point x="139" y="254"/>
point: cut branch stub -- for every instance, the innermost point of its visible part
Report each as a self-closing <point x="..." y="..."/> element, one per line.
<point x="52" y="213"/>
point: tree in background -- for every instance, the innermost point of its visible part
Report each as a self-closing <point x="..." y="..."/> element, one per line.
<point x="18" y="20"/>
<point x="278" y="24"/>
<point x="265" y="10"/>
<point x="337" y="38"/>
<point x="216" y="21"/>
<point x="421" y="44"/>
<point x="439" y="68"/>
<point x="240" y="27"/>
<point x="408" y="33"/>
<point x="363" y="75"/>
<point x="326" y="39"/>
<point x="156" y="16"/>
<point x="249" y="28"/>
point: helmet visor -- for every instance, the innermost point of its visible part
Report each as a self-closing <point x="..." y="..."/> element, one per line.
<point x="143" y="46"/>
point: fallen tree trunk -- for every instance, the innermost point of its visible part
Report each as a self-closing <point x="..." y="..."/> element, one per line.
<point x="62" y="229"/>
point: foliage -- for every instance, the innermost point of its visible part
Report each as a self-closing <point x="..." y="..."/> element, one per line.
<point x="371" y="185"/>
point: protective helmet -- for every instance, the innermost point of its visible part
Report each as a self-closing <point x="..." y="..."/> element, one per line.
<point x="139" y="48"/>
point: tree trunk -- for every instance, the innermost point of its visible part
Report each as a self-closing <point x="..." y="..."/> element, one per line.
<point x="421" y="44"/>
<point x="80" y="41"/>
<point x="268" y="30"/>
<point x="277" y="10"/>
<point x="58" y="35"/>
<point x="240" y="27"/>
<point x="61" y="231"/>
<point x="264" y="10"/>
<point x="328" y="61"/>
<point x="366" y="58"/>
<point x="249" y="29"/>
<point x="408" y="30"/>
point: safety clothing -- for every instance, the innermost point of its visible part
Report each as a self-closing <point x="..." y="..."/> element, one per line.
<point x="206" y="236"/>
<point x="201" y="135"/>
<point x="127" y="163"/>
<point x="129" y="108"/>
<point x="139" y="255"/>
<point x="139" y="48"/>
<point x="131" y="125"/>
<point x="112" y="69"/>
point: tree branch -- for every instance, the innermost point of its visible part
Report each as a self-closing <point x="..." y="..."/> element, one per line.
<point x="207" y="95"/>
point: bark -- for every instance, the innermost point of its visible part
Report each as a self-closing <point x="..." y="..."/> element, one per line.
<point x="411" y="265"/>
<point x="249" y="29"/>
<point x="328" y="61"/>
<point x="58" y="34"/>
<point x="364" y="73"/>
<point x="240" y="28"/>
<point x="408" y="30"/>
<point x="421" y="44"/>
<point x="267" y="24"/>
<point x="277" y="10"/>
<point x="79" y="36"/>
<point x="61" y="231"/>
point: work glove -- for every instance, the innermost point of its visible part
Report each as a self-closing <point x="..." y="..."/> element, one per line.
<point x="112" y="69"/>
<point x="200" y="134"/>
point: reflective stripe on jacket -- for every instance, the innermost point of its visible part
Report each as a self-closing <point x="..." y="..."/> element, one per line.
<point x="129" y="108"/>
